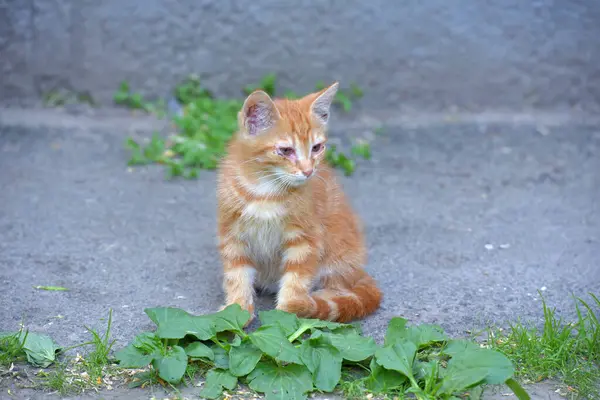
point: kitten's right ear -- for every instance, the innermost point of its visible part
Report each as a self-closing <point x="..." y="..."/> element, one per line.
<point x="258" y="113"/>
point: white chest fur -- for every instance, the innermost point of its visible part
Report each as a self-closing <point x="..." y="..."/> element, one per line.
<point x="261" y="229"/>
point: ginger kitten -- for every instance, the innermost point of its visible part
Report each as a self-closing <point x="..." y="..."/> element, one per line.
<point x="283" y="221"/>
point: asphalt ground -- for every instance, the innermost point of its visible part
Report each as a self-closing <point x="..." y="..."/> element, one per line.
<point x="466" y="223"/>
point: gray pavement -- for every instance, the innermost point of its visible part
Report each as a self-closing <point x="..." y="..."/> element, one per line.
<point x="465" y="222"/>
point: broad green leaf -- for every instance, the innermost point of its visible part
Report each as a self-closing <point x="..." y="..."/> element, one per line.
<point x="460" y="346"/>
<point x="221" y="357"/>
<point x="216" y="380"/>
<point x="306" y="324"/>
<point x="171" y="366"/>
<point x="237" y="340"/>
<point x="132" y="357"/>
<point x="148" y="342"/>
<point x="420" y="335"/>
<point x="458" y="381"/>
<point x="243" y="358"/>
<point x="324" y="361"/>
<point x="39" y="348"/>
<point x="395" y="331"/>
<point x="383" y="380"/>
<point x="290" y="382"/>
<point x="199" y="350"/>
<point x="425" y="369"/>
<point x="287" y="321"/>
<point x="232" y="318"/>
<point x="144" y="348"/>
<point x="271" y="339"/>
<point x="399" y="357"/>
<point x="351" y="345"/>
<point x="175" y="323"/>
<point x="475" y="393"/>
<point x="473" y="367"/>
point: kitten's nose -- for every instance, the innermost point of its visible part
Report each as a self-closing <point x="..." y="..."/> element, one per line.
<point x="307" y="172"/>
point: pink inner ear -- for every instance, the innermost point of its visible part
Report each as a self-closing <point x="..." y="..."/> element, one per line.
<point x="258" y="118"/>
<point x="252" y="120"/>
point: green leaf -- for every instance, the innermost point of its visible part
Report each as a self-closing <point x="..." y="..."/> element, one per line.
<point x="39" y="348"/>
<point x="232" y="318"/>
<point x="459" y="346"/>
<point x="396" y="331"/>
<point x="287" y="321"/>
<point x="290" y="382"/>
<point x="362" y="150"/>
<point x="356" y="90"/>
<point x="351" y="345"/>
<point x="147" y="342"/>
<point x="243" y="358"/>
<point x="383" y="380"/>
<point x="132" y="357"/>
<point x="221" y="356"/>
<point x="175" y="323"/>
<point x="399" y="357"/>
<point x="216" y="380"/>
<point x="421" y="335"/>
<point x="324" y="362"/>
<point x="52" y="288"/>
<point x="474" y="367"/>
<point x="199" y="350"/>
<point x="172" y="365"/>
<point x="271" y="339"/>
<point x="306" y="324"/>
<point x="144" y="348"/>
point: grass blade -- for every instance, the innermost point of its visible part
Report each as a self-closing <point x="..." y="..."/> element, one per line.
<point x="517" y="389"/>
<point x="51" y="288"/>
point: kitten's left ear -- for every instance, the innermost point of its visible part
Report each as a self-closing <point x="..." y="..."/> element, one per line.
<point x="258" y="113"/>
<point x="322" y="104"/>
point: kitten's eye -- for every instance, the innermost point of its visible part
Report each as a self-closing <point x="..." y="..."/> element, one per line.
<point x="286" y="151"/>
<point x="317" y="147"/>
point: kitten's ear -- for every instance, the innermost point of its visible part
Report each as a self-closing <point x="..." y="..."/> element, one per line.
<point x="322" y="103"/>
<point x="258" y="113"/>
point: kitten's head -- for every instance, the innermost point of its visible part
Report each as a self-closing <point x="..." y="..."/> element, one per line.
<point x="285" y="139"/>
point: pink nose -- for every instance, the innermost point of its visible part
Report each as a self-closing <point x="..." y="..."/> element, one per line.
<point x="307" y="172"/>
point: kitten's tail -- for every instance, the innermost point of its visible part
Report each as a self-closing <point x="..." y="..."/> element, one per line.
<point x="346" y="302"/>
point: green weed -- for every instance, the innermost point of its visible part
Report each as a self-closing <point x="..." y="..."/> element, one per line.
<point x="12" y="347"/>
<point x="288" y="357"/>
<point x="136" y="101"/>
<point x="75" y="374"/>
<point x="96" y="361"/>
<point x="204" y="124"/>
<point x="567" y="351"/>
<point x="60" y="98"/>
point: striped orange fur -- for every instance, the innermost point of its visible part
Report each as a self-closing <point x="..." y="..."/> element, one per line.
<point x="284" y="223"/>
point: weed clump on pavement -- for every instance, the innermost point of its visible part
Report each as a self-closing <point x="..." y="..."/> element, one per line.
<point x="71" y="374"/>
<point x="568" y="351"/>
<point x="204" y="124"/>
<point x="288" y="357"/>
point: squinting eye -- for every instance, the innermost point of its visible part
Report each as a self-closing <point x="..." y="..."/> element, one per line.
<point x="317" y="147"/>
<point x="286" y="151"/>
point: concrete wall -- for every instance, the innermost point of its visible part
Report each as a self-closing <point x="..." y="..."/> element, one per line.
<point x="414" y="53"/>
